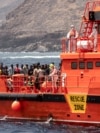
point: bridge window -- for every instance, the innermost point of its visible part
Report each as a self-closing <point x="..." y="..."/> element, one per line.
<point x="89" y="65"/>
<point x="94" y="15"/>
<point x="74" y="65"/>
<point x="97" y="64"/>
<point x="81" y="65"/>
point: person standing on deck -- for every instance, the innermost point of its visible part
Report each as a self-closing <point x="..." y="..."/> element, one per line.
<point x="11" y="70"/>
<point x="72" y="36"/>
<point x="17" y="69"/>
<point x="54" y="76"/>
<point x="94" y="34"/>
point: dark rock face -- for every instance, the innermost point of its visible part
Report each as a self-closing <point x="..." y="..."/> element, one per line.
<point x="39" y="25"/>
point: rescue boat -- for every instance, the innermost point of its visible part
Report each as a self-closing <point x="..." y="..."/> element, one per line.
<point x="77" y="97"/>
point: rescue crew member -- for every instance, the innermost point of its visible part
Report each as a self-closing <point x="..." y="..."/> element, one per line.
<point x="72" y="37"/>
<point x="94" y="34"/>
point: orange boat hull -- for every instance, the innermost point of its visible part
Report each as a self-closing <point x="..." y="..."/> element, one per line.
<point x="42" y="107"/>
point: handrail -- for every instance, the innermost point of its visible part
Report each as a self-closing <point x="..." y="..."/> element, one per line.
<point x="62" y="84"/>
<point x="89" y="42"/>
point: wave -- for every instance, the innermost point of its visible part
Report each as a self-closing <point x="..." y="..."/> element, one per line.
<point x="29" y="58"/>
<point x="32" y="57"/>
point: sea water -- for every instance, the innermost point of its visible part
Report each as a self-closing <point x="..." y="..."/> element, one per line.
<point x="9" y="58"/>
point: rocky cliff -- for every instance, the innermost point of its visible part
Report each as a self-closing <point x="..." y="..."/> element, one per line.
<point x="39" y="25"/>
<point x="7" y="6"/>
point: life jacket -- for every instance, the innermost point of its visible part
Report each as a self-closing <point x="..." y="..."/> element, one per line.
<point x="72" y="33"/>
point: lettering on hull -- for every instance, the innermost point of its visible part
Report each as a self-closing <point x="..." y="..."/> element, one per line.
<point x="77" y="102"/>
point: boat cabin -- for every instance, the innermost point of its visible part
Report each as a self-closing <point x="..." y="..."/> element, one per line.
<point x="81" y="68"/>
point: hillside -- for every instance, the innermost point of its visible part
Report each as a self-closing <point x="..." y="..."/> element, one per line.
<point x="6" y="7"/>
<point x="38" y="25"/>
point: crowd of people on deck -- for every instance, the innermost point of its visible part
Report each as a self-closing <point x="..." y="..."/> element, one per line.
<point x="40" y="72"/>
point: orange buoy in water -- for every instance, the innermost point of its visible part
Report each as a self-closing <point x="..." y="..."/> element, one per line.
<point x="16" y="105"/>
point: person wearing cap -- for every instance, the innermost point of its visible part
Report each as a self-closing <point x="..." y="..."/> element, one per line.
<point x="72" y="36"/>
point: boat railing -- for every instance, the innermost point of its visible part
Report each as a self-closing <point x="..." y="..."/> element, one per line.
<point x="87" y="16"/>
<point x="32" y="84"/>
<point x="83" y="44"/>
<point x="22" y="84"/>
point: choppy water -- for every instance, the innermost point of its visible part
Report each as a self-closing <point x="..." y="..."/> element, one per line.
<point x="29" y="57"/>
<point x="29" y="127"/>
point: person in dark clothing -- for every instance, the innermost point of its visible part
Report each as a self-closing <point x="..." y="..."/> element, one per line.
<point x="17" y="69"/>
<point x="30" y="70"/>
<point x="37" y="82"/>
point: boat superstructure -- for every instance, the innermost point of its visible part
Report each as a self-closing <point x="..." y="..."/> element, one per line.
<point x="82" y="68"/>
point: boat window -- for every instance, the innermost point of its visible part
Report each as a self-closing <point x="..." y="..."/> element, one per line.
<point x="81" y="65"/>
<point x="89" y="65"/>
<point x="97" y="64"/>
<point x="74" y="65"/>
<point x="94" y="15"/>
